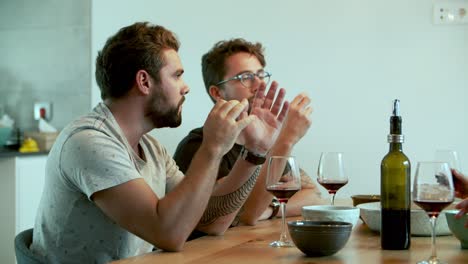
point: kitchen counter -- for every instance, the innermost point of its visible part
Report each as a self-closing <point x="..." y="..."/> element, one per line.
<point x="8" y="153"/>
<point x="23" y="179"/>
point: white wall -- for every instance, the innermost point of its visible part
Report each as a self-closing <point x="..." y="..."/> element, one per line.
<point x="45" y="56"/>
<point x="353" y="58"/>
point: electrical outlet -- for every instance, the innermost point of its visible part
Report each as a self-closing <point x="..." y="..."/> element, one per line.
<point x="450" y="13"/>
<point x="44" y="110"/>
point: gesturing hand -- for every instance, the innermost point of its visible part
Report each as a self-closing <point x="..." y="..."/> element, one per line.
<point x="270" y="112"/>
<point x="461" y="190"/>
<point x="460" y="183"/>
<point x="224" y="123"/>
<point x="297" y="120"/>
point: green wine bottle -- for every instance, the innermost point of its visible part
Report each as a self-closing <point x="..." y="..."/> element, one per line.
<point x="395" y="171"/>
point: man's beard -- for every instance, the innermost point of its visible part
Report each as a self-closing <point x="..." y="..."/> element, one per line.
<point x="164" y="118"/>
<point x="171" y="118"/>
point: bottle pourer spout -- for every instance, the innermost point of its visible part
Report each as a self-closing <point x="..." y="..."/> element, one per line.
<point x="396" y="107"/>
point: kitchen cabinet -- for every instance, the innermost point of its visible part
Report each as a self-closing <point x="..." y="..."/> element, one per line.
<point x="22" y="181"/>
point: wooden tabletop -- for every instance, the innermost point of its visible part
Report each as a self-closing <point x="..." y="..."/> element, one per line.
<point x="249" y="244"/>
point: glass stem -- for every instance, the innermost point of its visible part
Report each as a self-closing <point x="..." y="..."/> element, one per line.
<point x="433" y="220"/>
<point x="333" y="199"/>
<point x="283" y="236"/>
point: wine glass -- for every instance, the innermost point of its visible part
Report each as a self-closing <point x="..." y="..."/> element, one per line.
<point x="283" y="181"/>
<point x="433" y="191"/>
<point x="449" y="156"/>
<point x="331" y="174"/>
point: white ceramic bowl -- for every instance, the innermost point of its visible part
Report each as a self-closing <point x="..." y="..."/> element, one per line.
<point x="420" y="226"/>
<point x="457" y="226"/>
<point x="347" y="214"/>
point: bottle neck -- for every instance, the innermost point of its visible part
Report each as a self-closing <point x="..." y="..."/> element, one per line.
<point x="395" y="125"/>
<point x="396" y="146"/>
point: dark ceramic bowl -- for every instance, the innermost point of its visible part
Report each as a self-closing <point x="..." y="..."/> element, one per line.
<point x="319" y="238"/>
<point x="365" y="198"/>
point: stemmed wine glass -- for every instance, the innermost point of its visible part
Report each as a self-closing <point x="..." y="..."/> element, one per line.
<point x="433" y="191"/>
<point x="331" y="173"/>
<point x="283" y="181"/>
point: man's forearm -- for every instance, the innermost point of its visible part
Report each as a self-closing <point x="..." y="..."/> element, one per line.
<point x="223" y="205"/>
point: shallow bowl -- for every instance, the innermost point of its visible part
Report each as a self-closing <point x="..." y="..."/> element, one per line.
<point x="457" y="227"/>
<point x="338" y="213"/>
<point x="319" y="238"/>
<point x="365" y="198"/>
<point x="420" y="225"/>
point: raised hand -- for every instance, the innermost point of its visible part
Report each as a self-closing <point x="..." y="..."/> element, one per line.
<point x="460" y="183"/>
<point x="297" y="120"/>
<point x="224" y="123"/>
<point x="270" y="111"/>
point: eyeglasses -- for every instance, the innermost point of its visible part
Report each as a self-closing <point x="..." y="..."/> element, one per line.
<point x="248" y="78"/>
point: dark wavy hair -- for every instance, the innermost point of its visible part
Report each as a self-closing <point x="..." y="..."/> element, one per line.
<point x="136" y="47"/>
<point x="214" y="61"/>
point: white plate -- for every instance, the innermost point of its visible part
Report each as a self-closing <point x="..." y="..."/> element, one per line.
<point x="420" y="225"/>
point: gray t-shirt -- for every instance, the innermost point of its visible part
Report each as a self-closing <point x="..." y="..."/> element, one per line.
<point x="92" y="154"/>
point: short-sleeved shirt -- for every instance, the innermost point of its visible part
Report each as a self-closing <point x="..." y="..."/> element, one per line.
<point x="92" y="154"/>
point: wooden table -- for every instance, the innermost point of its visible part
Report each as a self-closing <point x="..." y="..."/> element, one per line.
<point x="249" y="244"/>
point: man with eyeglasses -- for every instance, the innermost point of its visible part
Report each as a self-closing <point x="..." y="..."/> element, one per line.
<point x="234" y="70"/>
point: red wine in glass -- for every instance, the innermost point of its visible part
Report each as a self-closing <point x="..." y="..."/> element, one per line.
<point x="432" y="208"/>
<point x="331" y="185"/>
<point x="282" y="194"/>
<point x="433" y="191"/>
<point x="283" y="181"/>
<point x="331" y="173"/>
